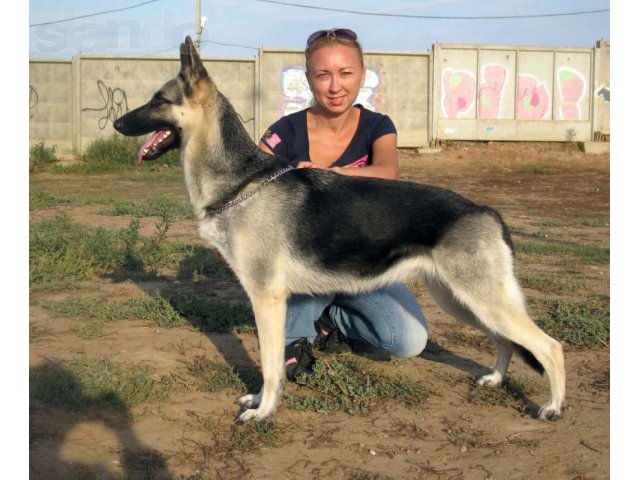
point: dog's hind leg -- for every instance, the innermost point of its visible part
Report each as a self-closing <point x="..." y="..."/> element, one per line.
<point x="476" y="265"/>
<point x="269" y="311"/>
<point x="445" y="299"/>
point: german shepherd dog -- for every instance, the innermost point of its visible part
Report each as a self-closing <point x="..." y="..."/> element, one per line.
<point x="284" y="230"/>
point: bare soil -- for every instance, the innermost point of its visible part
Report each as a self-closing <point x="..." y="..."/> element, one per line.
<point x="546" y="192"/>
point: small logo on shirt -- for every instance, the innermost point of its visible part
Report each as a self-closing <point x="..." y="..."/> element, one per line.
<point x="361" y="162"/>
<point x="273" y="140"/>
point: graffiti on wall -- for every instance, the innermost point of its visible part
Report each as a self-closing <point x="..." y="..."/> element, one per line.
<point x="533" y="97"/>
<point x="33" y="100"/>
<point x="533" y="100"/>
<point x="573" y="87"/>
<point x="458" y="92"/>
<point x="296" y="94"/>
<point x="115" y="104"/>
<point x="491" y="90"/>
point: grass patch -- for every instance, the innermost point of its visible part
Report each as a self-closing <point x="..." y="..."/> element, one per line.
<point x="347" y="384"/>
<point x="213" y="376"/>
<point x="202" y="263"/>
<point x="512" y="388"/>
<point x="533" y="170"/>
<point x="550" y="282"/>
<point x="118" y="153"/>
<point x="226" y="439"/>
<point x="95" y="312"/>
<point x="216" y="316"/>
<point x="164" y="206"/>
<point x="62" y="252"/>
<point x="41" y="156"/>
<point x="40" y="200"/>
<point x="592" y="255"/>
<point x="84" y="382"/>
<point x="585" y="323"/>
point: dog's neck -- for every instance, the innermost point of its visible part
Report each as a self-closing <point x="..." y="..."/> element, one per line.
<point x="221" y="161"/>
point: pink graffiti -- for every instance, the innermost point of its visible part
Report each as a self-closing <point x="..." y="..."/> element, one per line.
<point x="490" y="92"/>
<point x="533" y="98"/>
<point x="573" y="87"/>
<point x="458" y="92"/>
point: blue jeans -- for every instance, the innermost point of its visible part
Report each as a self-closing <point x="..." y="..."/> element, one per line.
<point x="389" y="319"/>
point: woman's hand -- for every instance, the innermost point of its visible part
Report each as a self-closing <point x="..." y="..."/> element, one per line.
<point x="309" y="164"/>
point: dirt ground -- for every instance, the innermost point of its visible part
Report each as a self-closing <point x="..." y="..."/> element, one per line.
<point x="546" y="192"/>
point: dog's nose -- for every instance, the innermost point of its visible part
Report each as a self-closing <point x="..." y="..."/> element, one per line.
<point x="117" y="124"/>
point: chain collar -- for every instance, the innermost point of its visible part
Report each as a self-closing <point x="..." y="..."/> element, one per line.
<point x="214" y="210"/>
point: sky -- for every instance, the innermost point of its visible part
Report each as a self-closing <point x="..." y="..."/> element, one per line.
<point x="240" y="28"/>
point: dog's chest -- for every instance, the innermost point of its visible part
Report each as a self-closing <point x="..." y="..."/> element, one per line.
<point x="214" y="232"/>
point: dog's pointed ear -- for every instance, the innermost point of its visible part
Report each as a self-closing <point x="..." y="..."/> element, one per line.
<point x="191" y="67"/>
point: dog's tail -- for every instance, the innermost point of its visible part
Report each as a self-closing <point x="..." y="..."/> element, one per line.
<point x="528" y="357"/>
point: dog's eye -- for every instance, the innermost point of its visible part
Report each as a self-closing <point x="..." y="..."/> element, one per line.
<point x="158" y="97"/>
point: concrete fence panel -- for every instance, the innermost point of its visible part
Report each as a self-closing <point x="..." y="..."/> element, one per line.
<point x="51" y="103"/>
<point x="512" y="93"/>
<point x="110" y="87"/>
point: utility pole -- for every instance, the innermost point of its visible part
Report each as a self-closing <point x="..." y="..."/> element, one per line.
<point x="198" y="25"/>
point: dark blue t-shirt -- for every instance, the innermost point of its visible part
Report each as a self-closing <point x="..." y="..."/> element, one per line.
<point x="288" y="138"/>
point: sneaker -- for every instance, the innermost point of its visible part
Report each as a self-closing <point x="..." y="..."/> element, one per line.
<point x="298" y="359"/>
<point x="330" y="339"/>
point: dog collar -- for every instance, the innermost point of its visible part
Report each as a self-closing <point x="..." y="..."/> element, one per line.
<point x="214" y="210"/>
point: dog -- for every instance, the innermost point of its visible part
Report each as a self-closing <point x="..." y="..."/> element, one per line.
<point x="284" y="230"/>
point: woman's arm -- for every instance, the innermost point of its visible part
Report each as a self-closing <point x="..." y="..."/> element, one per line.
<point x="384" y="163"/>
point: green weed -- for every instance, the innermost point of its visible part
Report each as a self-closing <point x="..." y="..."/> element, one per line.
<point x="84" y="382"/>
<point x="163" y="206"/>
<point x="117" y="153"/>
<point x="213" y="376"/>
<point x="550" y="282"/>
<point x="62" y="252"/>
<point x="592" y="255"/>
<point x="583" y="323"/>
<point x="211" y="315"/>
<point x="346" y="384"/>
<point x="39" y="200"/>
<point x="41" y="156"/>
<point x="95" y="311"/>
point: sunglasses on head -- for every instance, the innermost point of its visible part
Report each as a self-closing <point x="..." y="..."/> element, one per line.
<point x="343" y="33"/>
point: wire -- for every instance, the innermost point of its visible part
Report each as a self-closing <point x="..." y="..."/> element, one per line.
<point x="229" y="44"/>
<point x="94" y="14"/>
<point x="436" y="17"/>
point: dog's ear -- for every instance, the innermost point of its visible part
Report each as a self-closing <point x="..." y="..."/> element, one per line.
<point x="191" y="67"/>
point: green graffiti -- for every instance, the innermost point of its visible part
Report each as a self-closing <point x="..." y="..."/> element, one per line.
<point x="566" y="75"/>
<point x="455" y="80"/>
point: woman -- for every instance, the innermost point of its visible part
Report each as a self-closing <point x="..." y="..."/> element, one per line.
<point x="348" y="139"/>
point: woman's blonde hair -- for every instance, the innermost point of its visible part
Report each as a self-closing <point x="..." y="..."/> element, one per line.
<point x="329" y="40"/>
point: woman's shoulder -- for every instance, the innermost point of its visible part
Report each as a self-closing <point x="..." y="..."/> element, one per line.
<point x="376" y="120"/>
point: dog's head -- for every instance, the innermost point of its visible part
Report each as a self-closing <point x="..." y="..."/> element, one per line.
<point x="174" y="109"/>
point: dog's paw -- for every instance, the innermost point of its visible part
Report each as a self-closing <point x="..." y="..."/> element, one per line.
<point x="491" y="380"/>
<point x="550" y="412"/>
<point x="252" y="414"/>
<point x="248" y="401"/>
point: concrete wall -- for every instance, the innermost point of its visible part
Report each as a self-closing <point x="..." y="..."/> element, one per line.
<point x="601" y="91"/>
<point x="109" y="87"/>
<point x="458" y="92"/>
<point x="512" y="93"/>
<point x="396" y="84"/>
<point x="50" y="103"/>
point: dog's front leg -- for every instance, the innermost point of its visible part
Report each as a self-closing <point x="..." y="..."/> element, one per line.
<point x="269" y="311"/>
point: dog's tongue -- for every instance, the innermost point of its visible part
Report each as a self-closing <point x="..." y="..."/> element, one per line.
<point x="154" y="139"/>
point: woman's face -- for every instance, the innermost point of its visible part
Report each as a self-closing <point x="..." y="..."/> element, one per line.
<point x="335" y="76"/>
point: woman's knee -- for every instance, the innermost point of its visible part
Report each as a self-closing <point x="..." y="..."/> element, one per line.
<point x="412" y="345"/>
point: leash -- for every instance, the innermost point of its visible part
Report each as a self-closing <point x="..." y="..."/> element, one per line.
<point x="211" y="210"/>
